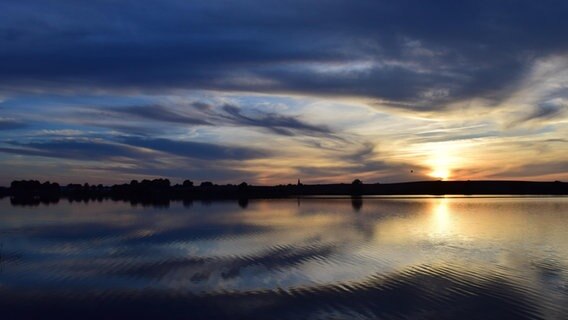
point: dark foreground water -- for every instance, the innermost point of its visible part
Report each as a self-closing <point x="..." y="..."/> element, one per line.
<point x="393" y="258"/>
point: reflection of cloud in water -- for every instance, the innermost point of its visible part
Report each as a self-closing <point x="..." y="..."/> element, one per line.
<point x="441" y="292"/>
<point x="276" y="258"/>
<point x="435" y="257"/>
<point x="198" y="232"/>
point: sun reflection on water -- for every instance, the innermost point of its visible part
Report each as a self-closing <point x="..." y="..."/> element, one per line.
<point x="442" y="218"/>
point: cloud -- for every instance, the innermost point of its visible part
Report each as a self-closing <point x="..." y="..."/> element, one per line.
<point x="545" y="111"/>
<point x="557" y="168"/>
<point x="199" y="113"/>
<point x="130" y="147"/>
<point x="291" y="77"/>
<point x="279" y="124"/>
<point x="122" y="127"/>
<point x="198" y="150"/>
<point x="407" y="54"/>
<point x="135" y="158"/>
<point x="160" y="113"/>
<point x="75" y="150"/>
<point x="10" y="124"/>
<point x="363" y="163"/>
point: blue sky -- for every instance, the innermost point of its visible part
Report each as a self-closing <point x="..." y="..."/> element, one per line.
<point x="272" y="91"/>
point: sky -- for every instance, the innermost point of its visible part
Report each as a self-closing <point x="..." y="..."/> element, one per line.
<point x="270" y="91"/>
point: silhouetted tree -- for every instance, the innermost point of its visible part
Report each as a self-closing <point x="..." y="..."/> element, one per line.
<point x="357" y="187"/>
<point x="46" y="191"/>
<point x="160" y="190"/>
<point x="357" y="182"/>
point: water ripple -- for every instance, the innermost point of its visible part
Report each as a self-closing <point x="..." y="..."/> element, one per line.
<point x="430" y="259"/>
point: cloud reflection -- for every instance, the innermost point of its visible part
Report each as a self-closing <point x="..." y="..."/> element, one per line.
<point x="448" y="255"/>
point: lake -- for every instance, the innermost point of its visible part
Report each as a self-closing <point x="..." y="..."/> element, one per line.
<point x="310" y="258"/>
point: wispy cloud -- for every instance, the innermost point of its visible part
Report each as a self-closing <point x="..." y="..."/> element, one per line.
<point x="130" y="147"/>
<point x="199" y="150"/>
<point x="161" y="113"/>
<point x="528" y="171"/>
<point x="545" y="111"/>
<point x="279" y="124"/>
<point x="82" y="149"/>
<point x="202" y="114"/>
<point x="11" y="124"/>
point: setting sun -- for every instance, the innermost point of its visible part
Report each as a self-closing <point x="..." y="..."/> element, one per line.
<point x="441" y="173"/>
<point x="442" y="158"/>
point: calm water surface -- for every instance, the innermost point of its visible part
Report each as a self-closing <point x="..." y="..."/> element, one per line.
<point x="388" y="258"/>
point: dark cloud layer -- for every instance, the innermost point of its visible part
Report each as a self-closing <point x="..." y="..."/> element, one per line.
<point x="534" y="169"/>
<point x="74" y="150"/>
<point x="279" y="124"/>
<point x="416" y="55"/>
<point x="160" y="113"/>
<point x="129" y="147"/>
<point x="545" y="111"/>
<point x="224" y="115"/>
<point x="9" y="124"/>
<point x="199" y="150"/>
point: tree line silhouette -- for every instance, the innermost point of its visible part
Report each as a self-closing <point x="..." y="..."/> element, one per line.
<point x="158" y="191"/>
